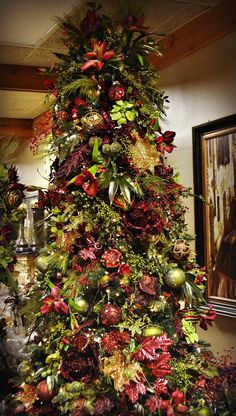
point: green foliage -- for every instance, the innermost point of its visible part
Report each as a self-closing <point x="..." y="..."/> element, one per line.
<point x="124" y="111"/>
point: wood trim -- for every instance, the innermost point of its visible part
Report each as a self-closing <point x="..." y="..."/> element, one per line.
<point x="206" y="28"/>
<point x="22" y="78"/>
<point x="16" y="127"/>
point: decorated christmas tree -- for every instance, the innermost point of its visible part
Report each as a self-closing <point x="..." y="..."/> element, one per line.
<point x="118" y="293"/>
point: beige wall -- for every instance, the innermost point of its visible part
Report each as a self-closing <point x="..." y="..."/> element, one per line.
<point x="32" y="170"/>
<point x="201" y="88"/>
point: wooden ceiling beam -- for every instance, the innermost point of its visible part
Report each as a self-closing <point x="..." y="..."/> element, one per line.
<point x="16" y="127"/>
<point x="206" y="28"/>
<point x="22" y="78"/>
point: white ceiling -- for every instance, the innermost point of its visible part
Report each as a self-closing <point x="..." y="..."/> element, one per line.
<point x="27" y="22"/>
<point x="30" y="36"/>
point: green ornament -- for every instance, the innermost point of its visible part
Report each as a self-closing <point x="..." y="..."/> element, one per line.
<point x="24" y="368"/>
<point x="106" y="149"/>
<point x="42" y="262"/>
<point x="93" y="139"/>
<point x="152" y="331"/>
<point x="116" y="148"/>
<point x="81" y="305"/>
<point x="204" y="411"/>
<point x="175" y="278"/>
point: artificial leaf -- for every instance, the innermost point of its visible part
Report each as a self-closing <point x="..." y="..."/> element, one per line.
<point x="113" y="186"/>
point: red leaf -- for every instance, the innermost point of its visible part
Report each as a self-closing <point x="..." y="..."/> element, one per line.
<point x="133" y="390"/>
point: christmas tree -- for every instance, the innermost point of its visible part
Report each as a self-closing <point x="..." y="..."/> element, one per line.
<point x="118" y="292"/>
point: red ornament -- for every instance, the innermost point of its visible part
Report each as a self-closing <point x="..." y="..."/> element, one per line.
<point x="116" y="92"/>
<point x="43" y="392"/>
<point x="111" y="314"/>
<point x="111" y="258"/>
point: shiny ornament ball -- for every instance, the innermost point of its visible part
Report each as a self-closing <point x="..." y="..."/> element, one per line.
<point x="14" y="198"/>
<point x="81" y="305"/>
<point x="111" y="258"/>
<point x="175" y="278"/>
<point x="116" y="92"/>
<point x="92" y="120"/>
<point x="110" y="314"/>
<point x="180" y="249"/>
<point x="43" y="392"/>
<point x="152" y="331"/>
<point x="42" y="262"/>
<point x="204" y="411"/>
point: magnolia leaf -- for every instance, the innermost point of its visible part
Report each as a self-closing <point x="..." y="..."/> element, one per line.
<point x="188" y="292"/>
<point x="112" y="190"/>
<point x="125" y="192"/>
<point x="50" y="383"/>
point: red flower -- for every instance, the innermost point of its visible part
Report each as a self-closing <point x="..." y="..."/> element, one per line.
<point x="134" y="24"/>
<point x="54" y="303"/>
<point x="164" y="142"/>
<point x="111" y="258"/>
<point x="97" y="56"/>
<point x="178" y="397"/>
<point x="88" y="182"/>
<point x="80" y="101"/>
<point x="124" y="269"/>
<point x="207" y="317"/>
<point x="51" y="87"/>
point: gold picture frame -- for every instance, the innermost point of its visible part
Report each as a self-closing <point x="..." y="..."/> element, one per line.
<point x="214" y="161"/>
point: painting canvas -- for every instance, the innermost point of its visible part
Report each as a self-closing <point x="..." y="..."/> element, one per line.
<point x="215" y="215"/>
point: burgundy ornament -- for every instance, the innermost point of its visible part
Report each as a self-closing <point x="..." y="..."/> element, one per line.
<point x="111" y="258"/>
<point x="43" y="392"/>
<point x="148" y="284"/>
<point x="111" y="314"/>
<point x="116" y="92"/>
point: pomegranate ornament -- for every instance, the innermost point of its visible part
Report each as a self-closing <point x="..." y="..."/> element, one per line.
<point x="116" y="92"/>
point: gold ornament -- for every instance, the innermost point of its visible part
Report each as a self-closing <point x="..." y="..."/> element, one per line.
<point x="92" y="120"/>
<point x="180" y="250"/>
<point x="175" y="278"/>
<point x="144" y="155"/>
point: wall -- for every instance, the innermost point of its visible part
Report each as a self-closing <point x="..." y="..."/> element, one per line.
<point x="201" y="88"/>
<point x="32" y="169"/>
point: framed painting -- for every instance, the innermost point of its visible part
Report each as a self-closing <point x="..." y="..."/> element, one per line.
<point x="214" y="161"/>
